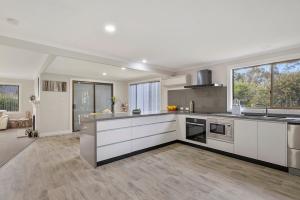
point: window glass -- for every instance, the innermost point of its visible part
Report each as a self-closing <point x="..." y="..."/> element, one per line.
<point x="132" y="97"/>
<point x="276" y="85"/>
<point x="145" y="96"/>
<point x="286" y="85"/>
<point x="252" y="85"/>
<point x="9" y="98"/>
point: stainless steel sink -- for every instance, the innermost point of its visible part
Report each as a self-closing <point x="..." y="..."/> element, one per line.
<point x="264" y="116"/>
<point x="251" y="115"/>
<point x="272" y="117"/>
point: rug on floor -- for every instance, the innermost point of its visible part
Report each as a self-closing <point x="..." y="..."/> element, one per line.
<point x="11" y="143"/>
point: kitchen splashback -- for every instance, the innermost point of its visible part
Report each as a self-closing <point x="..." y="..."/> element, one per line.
<point x="206" y="99"/>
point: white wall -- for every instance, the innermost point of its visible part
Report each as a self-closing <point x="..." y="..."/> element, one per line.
<point x="55" y="112"/>
<point x="54" y="108"/>
<point x="26" y="90"/>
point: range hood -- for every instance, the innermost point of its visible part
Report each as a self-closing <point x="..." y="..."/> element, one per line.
<point x="204" y="80"/>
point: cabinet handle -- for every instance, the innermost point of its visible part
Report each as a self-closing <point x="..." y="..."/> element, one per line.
<point x="194" y="124"/>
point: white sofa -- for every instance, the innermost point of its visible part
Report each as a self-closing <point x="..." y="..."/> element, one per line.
<point x="3" y="119"/>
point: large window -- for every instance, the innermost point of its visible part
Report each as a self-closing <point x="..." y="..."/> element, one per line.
<point x="276" y="85"/>
<point x="145" y="96"/>
<point x="9" y="98"/>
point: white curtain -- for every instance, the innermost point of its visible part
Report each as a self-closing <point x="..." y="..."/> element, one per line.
<point x="145" y="96"/>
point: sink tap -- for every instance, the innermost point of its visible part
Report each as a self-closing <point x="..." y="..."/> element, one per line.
<point x="267" y="111"/>
<point x="264" y="106"/>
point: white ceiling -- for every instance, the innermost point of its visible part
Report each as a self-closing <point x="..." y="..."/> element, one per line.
<point x="25" y="64"/>
<point x="168" y="33"/>
<point x="19" y="63"/>
<point x="79" y="68"/>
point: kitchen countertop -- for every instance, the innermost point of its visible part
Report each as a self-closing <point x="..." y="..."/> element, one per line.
<point x="292" y="119"/>
<point x="102" y="117"/>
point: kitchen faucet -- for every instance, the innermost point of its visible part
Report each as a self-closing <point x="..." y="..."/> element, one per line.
<point x="265" y="106"/>
<point x="267" y="111"/>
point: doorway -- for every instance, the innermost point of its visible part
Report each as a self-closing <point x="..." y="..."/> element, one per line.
<point x="90" y="97"/>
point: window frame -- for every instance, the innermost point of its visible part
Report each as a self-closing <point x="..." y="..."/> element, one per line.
<point x="19" y="95"/>
<point x="146" y="81"/>
<point x="271" y="84"/>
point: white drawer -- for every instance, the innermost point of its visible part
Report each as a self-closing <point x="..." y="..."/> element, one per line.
<point x="114" y="150"/>
<point x="151" y="141"/>
<point x="152" y="119"/>
<point x="220" y="145"/>
<point x="152" y="129"/>
<point x="113" y="124"/>
<point x="168" y="137"/>
<point x="113" y="136"/>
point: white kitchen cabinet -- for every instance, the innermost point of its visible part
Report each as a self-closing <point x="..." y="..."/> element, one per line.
<point x="153" y="140"/>
<point x="123" y="136"/>
<point x="220" y="145"/>
<point x="245" y="138"/>
<point x="272" y="142"/>
<point x="181" y="128"/>
<point x="113" y="124"/>
<point x="113" y="136"/>
<point x="153" y="129"/>
<point x="153" y="119"/>
<point x="114" y="150"/>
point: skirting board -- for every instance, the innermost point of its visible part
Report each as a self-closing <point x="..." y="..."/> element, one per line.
<point x="266" y="164"/>
<point x="55" y="133"/>
<point x="103" y="162"/>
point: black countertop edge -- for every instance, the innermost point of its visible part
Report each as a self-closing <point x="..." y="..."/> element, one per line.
<point x="276" y="117"/>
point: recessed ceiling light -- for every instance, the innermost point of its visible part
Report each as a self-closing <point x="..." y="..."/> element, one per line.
<point x="104" y="74"/>
<point x="110" y="28"/>
<point x="144" y="61"/>
<point x="123" y="68"/>
<point x="12" y="21"/>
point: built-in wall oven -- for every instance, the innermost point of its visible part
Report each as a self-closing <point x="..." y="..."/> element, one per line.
<point x="220" y="129"/>
<point x="196" y="129"/>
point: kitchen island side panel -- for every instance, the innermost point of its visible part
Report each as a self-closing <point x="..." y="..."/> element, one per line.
<point x="88" y="142"/>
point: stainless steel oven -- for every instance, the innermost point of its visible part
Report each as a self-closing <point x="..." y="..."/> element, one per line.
<point x="196" y="129"/>
<point x="220" y="129"/>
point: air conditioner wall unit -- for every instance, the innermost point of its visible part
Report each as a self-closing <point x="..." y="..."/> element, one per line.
<point x="180" y="80"/>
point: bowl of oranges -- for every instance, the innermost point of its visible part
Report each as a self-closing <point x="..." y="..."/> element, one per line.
<point x="172" y="108"/>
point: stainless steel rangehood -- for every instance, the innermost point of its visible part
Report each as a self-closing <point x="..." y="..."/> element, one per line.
<point x="204" y="79"/>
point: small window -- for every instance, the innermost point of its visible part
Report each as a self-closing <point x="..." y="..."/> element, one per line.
<point x="276" y="85"/>
<point x="9" y="98"/>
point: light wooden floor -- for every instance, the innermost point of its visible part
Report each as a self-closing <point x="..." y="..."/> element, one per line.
<point x="51" y="168"/>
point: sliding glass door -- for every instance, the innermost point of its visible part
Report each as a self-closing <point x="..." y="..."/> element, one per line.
<point x="103" y="97"/>
<point x="90" y="97"/>
<point x="83" y="102"/>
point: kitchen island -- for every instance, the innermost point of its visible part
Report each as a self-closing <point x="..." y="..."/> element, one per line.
<point x="108" y="137"/>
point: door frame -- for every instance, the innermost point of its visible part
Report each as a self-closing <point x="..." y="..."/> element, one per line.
<point x="94" y="87"/>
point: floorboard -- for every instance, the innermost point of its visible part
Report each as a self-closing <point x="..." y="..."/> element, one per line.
<point x="51" y="169"/>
